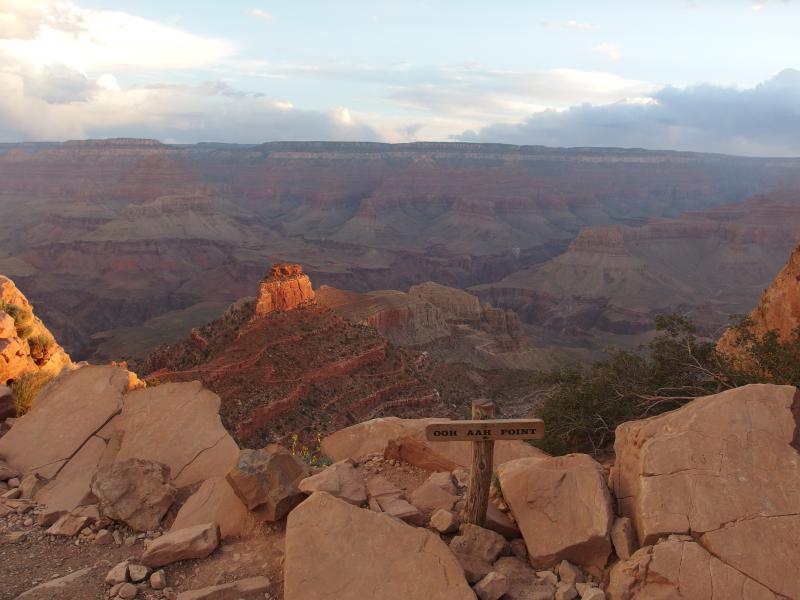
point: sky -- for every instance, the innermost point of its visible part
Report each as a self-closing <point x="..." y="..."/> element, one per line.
<point x="703" y="75"/>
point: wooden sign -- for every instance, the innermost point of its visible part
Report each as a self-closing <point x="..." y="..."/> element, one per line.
<point x="482" y="431"/>
<point x="474" y="431"/>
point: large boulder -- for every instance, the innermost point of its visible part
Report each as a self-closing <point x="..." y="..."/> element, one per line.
<point x="183" y="544"/>
<point x="177" y="424"/>
<point x="370" y="437"/>
<point x="334" y="549"/>
<point x="340" y="480"/>
<point x="66" y="414"/>
<point x="679" y="567"/>
<point x="726" y="469"/>
<point x="135" y="491"/>
<point x="215" y="501"/>
<point x="562" y="507"/>
<point x="267" y="481"/>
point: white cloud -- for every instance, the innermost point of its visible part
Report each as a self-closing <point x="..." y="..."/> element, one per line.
<point x="260" y="14"/>
<point x="611" y="51"/>
<point x="58" y="75"/>
<point x="42" y="33"/>
<point x="571" y="24"/>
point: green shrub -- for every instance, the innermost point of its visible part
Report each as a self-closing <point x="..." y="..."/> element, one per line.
<point x="581" y="410"/>
<point x="26" y="388"/>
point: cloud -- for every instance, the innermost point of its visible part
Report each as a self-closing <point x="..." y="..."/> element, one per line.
<point x="260" y="14"/>
<point x="611" y="51"/>
<point x="41" y="33"/>
<point x="58" y="76"/>
<point x="763" y="120"/>
<point x="571" y="24"/>
<point x="210" y="111"/>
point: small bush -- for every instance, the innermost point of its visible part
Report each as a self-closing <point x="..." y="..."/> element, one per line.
<point x="41" y="348"/>
<point x="26" y="388"/>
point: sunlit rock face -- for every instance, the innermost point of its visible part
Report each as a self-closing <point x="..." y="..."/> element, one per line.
<point x="284" y="288"/>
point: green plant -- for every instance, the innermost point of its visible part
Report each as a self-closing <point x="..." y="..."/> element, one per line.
<point x="581" y="410"/>
<point x="26" y="388"/>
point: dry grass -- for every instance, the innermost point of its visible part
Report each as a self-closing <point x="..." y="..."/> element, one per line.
<point x="26" y="388"/>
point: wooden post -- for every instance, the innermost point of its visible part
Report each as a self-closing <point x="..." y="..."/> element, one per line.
<point x="480" y="478"/>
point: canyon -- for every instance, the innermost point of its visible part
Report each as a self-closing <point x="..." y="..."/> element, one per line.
<point x="127" y="243"/>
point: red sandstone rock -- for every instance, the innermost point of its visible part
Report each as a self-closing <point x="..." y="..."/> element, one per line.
<point x="183" y="544"/>
<point x="266" y="481"/>
<point x="778" y="309"/>
<point x="284" y="288"/>
<point x="336" y="549"/>
<point x="562" y="507"/>
<point x="725" y="469"/>
<point x="134" y="491"/>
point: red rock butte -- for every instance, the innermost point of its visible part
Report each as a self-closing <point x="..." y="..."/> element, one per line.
<point x="285" y="287"/>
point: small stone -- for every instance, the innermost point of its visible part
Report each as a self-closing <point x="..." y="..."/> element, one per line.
<point x="127" y="591"/>
<point x="138" y="573"/>
<point x="28" y="522"/>
<point x="548" y="576"/>
<point x="118" y="574"/>
<point x="475" y="569"/>
<point x="569" y="573"/>
<point x="444" y="521"/>
<point x="158" y="580"/>
<point x="566" y="591"/>
<point x="68" y="526"/>
<point x="12" y="494"/>
<point x="479" y="542"/>
<point x="519" y="549"/>
<point x="593" y="593"/>
<point x="13" y="482"/>
<point x="103" y="538"/>
<point x="48" y="517"/>
<point x="117" y="537"/>
<point x="17" y="537"/>
<point x="112" y="593"/>
<point x="87" y="531"/>
<point x="461" y="477"/>
<point x="492" y="586"/>
<point x="130" y="540"/>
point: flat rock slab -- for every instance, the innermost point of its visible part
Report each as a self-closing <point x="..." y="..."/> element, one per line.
<point x="244" y="589"/>
<point x="177" y="424"/>
<point x="680" y="568"/>
<point x="370" y="437"/>
<point x="183" y="544"/>
<point x="66" y="415"/>
<point x="725" y="468"/>
<point x="336" y="550"/>
<point x="563" y="508"/>
<point x="215" y="502"/>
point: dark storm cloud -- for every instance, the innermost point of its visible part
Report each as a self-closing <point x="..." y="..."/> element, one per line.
<point x="763" y="120"/>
